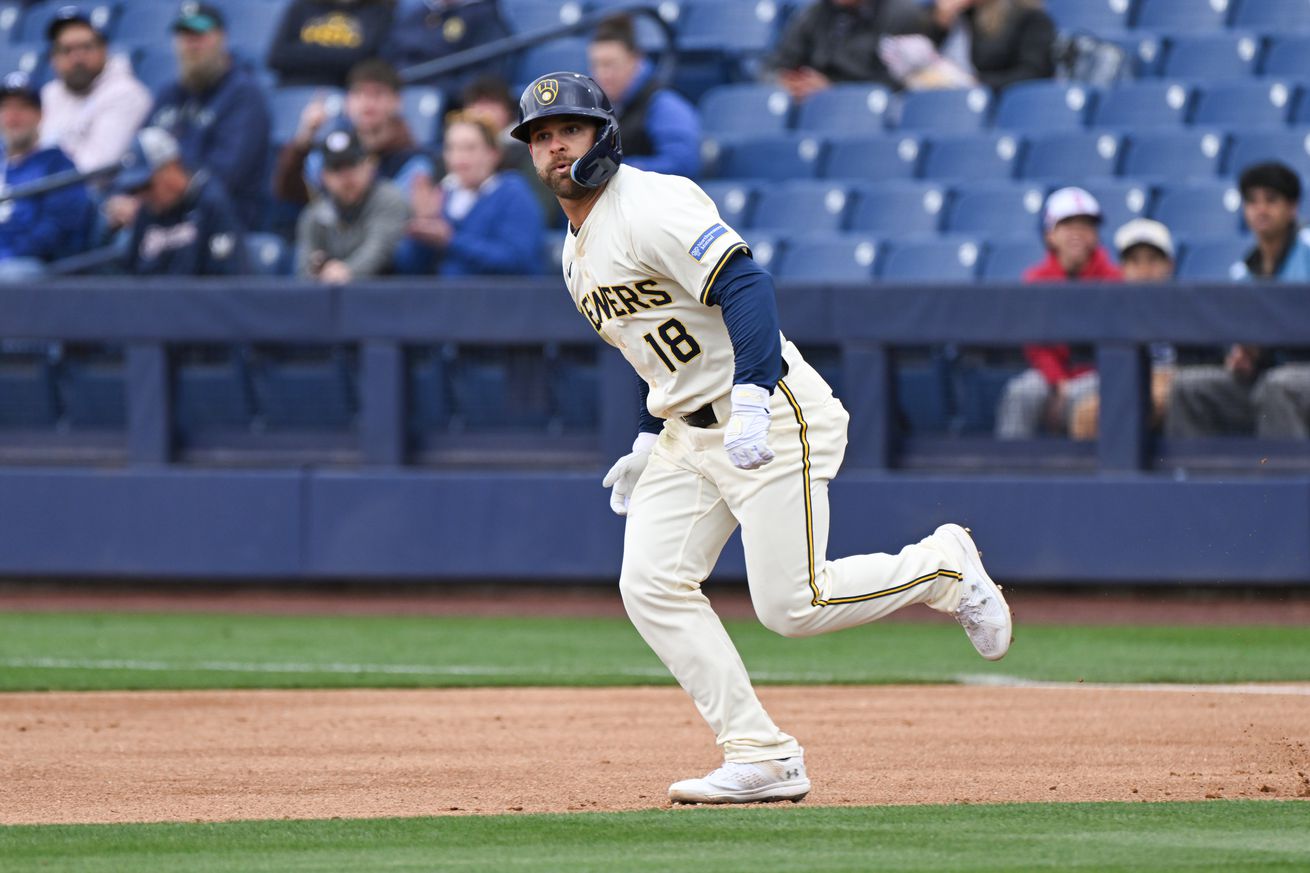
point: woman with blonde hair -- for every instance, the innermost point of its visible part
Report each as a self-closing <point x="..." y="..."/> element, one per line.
<point x="1010" y="40"/>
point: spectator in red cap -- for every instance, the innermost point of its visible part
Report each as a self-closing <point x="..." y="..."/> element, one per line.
<point x="1041" y="398"/>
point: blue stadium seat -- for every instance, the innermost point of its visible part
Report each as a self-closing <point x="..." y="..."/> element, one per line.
<point x="1006" y="260"/>
<point x="251" y="25"/>
<point x="1210" y="57"/>
<point x="939" y="260"/>
<point x="1071" y="155"/>
<point x="1043" y="106"/>
<point x="745" y="110"/>
<point x="525" y="16"/>
<point x="27" y="392"/>
<point x="92" y="391"/>
<point x="1273" y="16"/>
<point x="1182" y="16"/>
<point x="499" y="389"/>
<point x="1212" y="260"/>
<point x="426" y="389"/>
<point x="877" y="159"/>
<point x="923" y="391"/>
<point x="155" y="66"/>
<point x="1288" y="56"/>
<point x="730" y="26"/>
<point x="28" y="58"/>
<point x="145" y="22"/>
<point x="562" y="54"/>
<point x="1194" y="210"/>
<point x="286" y="104"/>
<point x="1301" y="107"/>
<point x="977" y="156"/>
<point x="211" y="396"/>
<point x="996" y="211"/>
<point x="38" y="16"/>
<point x="735" y="200"/>
<point x="773" y="157"/>
<point x="1121" y="200"/>
<point x="268" y="255"/>
<point x="977" y="385"/>
<point x="1190" y="154"/>
<point x="1094" y="16"/>
<point x="797" y="208"/>
<point x="11" y="17"/>
<point x="575" y="388"/>
<point x="307" y="391"/>
<point x="959" y="110"/>
<point x="845" y="110"/>
<point x="423" y="108"/>
<point x="1244" y="105"/>
<point x="1290" y="147"/>
<point x="766" y="248"/>
<point x="1138" y="105"/>
<point x="898" y="209"/>
<point x="828" y="258"/>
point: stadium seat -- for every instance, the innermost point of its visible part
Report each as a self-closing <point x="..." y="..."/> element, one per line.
<point x="268" y="255"/>
<point x="500" y="389"/>
<point x="1301" y="107"/>
<point x="155" y="66"/>
<point x="898" y="209"/>
<point x="956" y="110"/>
<point x="1140" y="105"/>
<point x="145" y="23"/>
<point x="286" y="104"/>
<point x="778" y="158"/>
<point x="734" y="27"/>
<point x="1272" y="16"/>
<point x="27" y="392"/>
<point x="37" y="17"/>
<point x="526" y="16"/>
<point x="309" y="390"/>
<point x="979" y="156"/>
<point x="92" y="391"/>
<point x="1210" y="57"/>
<point x="1288" y="56"/>
<point x="735" y="200"/>
<point x="11" y="16"/>
<point x="1070" y="155"/>
<point x="1213" y="209"/>
<point x="251" y="25"/>
<point x="745" y="110"/>
<point x="29" y="58"/>
<point x="1092" y="16"/>
<point x="766" y="248"/>
<point x="1006" y="260"/>
<point x="923" y="390"/>
<point x="996" y="211"/>
<point x="1043" y="106"/>
<point x="423" y="109"/>
<point x="562" y="54"/>
<point x="426" y="389"/>
<point x="828" y="258"/>
<point x="1121" y="200"/>
<point x="1290" y="147"/>
<point x="1190" y="154"/>
<point x="797" y="208"/>
<point x="1182" y="16"/>
<point x="1212" y="260"/>
<point x="575" y="388"/>
<point x="940" y="260"/>
<point x="211" y="396"/>
<point x="876" y="159"/>
<point x="1243" y="105"/>
<point x="978" y="381"/>
<point x="845" y="110"/>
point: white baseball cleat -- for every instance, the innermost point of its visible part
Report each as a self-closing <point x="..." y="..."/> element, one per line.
<point x="760" y="782"/>
<point x="982" y="610"/>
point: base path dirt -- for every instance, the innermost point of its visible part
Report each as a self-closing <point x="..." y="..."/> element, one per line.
<point x="166" y="756"/>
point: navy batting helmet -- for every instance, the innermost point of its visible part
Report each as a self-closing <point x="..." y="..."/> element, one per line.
<point x="575" y="94"/>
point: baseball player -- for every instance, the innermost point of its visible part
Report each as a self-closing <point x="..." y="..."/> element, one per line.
<point x="736" y="429"/>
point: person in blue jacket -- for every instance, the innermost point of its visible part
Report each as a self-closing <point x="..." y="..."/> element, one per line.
<point x="40" y="229"/>
<point x="661" y="130"/>
<point x="479" y="221"/>
<point x="216" y="111"/>
<point x="186" y="224"/>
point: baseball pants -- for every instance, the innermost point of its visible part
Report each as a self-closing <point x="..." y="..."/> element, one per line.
<point x="687" y="503"/>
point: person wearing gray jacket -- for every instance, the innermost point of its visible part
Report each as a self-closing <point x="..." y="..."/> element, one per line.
<point x="353" y="229"/>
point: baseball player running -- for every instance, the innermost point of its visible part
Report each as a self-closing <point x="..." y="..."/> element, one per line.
<point x="736" y="429"/>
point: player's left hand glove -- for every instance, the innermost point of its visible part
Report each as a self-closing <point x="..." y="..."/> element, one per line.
<point x="747" y="435"/>
<point x="623" y="476"/>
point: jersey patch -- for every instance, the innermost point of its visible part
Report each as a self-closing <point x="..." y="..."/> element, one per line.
<point x="702" y="245"/>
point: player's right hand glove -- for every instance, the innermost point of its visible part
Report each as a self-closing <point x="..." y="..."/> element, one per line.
<point x="622" y="477"/>
<point x="746" y="436"/>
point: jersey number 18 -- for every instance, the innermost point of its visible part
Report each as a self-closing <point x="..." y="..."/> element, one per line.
<point x="682" y="344"/>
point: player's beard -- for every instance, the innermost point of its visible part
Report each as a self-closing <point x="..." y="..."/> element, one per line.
<point x="562" y="186"/>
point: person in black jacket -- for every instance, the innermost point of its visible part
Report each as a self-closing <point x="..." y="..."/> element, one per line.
<point x="319" y="41"/>
<point x="425" y="30"/>
<point x="1010" y="40"/>
<point x="837" y="41"/>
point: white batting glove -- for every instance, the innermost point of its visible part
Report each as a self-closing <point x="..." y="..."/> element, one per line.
<point x="622" y="477"/>
<point x="747" y="435"/>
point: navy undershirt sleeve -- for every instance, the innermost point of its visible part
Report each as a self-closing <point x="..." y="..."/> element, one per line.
<point x="744" y="291"/>
<point x="647" y="423"/>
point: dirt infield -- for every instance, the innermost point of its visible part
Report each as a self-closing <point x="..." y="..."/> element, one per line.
<point x="167" y="756"/>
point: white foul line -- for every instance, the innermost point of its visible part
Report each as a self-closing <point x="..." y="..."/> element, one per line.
<point x="998" y="681"/>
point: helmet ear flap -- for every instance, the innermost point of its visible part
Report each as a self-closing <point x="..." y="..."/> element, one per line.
<point x="602" y="160"/>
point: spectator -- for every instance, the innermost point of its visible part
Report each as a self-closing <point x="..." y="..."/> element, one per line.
<point x="660" y="129"/>
<point x="1146" y="254"/>
<point x="1043" y="396"/>
<point x="351" y="232"/>
<point x="427" y="30"/>
<point x="216" y="111"/>
<point x="318" y="42"/>
<point x="94" y="105"/>
<point x="34" y="230"/>
<point x="837" y="41"/>
<point x="373" y="112"/>
<point x="1257" y="390"/>
<point x="479" y="221"/>
<point x="186" y="224"/>
<point x="1009" y="40"/>
<point x="488" y="97"/>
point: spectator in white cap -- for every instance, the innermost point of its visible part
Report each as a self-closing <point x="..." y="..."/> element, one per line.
<point x="1041" y="398"/>
<point x="1146" y="254"/>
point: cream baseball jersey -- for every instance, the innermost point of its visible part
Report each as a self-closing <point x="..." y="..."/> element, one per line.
<point x="640" y="269"/>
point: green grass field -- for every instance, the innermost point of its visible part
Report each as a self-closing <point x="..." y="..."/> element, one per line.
<point x="60" y="651"/>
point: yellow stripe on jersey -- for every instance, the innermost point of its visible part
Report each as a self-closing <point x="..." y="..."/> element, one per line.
<point x="718" y="267"/>
<point x="817" y="599"/>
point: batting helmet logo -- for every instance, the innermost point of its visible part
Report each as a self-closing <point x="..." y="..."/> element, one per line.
<point x="547" y="90"/>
